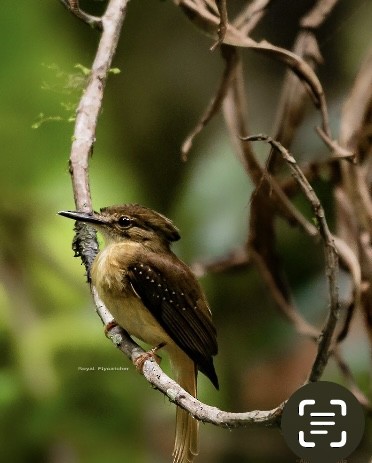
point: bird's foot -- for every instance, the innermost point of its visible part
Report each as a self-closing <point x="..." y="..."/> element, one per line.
<point x="151" y="354"/>
<point x="109" y="326"/>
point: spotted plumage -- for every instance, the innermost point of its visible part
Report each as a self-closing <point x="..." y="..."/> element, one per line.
<point x="191" y="327"/>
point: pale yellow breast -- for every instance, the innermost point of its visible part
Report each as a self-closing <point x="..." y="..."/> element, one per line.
<point x="108" y="276"/>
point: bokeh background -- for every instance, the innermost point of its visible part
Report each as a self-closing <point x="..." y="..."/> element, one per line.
<point x="51" y="410"/>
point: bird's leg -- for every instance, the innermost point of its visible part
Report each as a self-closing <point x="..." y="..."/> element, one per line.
<point x="141" y="359"/>
<point x="151" y="354"/>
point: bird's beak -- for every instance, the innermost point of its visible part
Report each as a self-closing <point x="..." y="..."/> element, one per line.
<point x="92" y="218"/>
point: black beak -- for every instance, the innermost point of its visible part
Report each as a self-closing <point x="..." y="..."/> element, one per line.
<point x="92" y="218"/>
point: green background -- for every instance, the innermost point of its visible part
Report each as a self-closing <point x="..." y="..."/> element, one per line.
<point x="52" y="411"/>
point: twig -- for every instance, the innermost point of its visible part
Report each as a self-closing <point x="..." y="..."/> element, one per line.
<point x="237" y="258"/>
<point x="318" y="14"/>
<point x="338" y="151"/>
<point x="292" y="100"/>
<point x="286" y="307"/>
<point x="222" y="10"/>
<point x="345" y="370"/>
<point x="248" y="19"/>
<point x="350" y="261"/>
<point x="230" y="56"/>
<point x="331" y="258"/>
<point x="73" y="6"/>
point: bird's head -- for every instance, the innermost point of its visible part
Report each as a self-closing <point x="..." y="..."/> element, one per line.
<point x="129" y="222"/>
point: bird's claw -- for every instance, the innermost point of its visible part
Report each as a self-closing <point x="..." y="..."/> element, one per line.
<point x="109" y="326"/>
<point x="151" y="354"/>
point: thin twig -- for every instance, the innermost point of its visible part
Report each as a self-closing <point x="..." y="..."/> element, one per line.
<point x="318" y="14"/>
<point x="222" y="10"/>
<point x="338" y="151"/>
<point x="73" y="6"/>
<point x="230" y="57"/>
<point x="248" y="19"/>
<point x="350" y="261"/>
<point x="237" y="258"/>
<point x="286" y="307"/>
<point x="346" y="372"/>
<point x="292" y="100"/>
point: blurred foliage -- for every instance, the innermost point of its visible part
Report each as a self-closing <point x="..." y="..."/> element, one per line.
<point x="52" y="411"/>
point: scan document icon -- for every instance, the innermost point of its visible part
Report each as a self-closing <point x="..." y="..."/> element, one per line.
<point x="323" y="422"/>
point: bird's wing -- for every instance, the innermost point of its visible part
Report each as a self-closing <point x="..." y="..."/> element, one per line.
<point x="178" y="304"/>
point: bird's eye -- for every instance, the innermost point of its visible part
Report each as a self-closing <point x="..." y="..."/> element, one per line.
<point x="125" y="221"/>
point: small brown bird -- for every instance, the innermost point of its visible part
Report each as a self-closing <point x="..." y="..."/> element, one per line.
<point x="156" y="298"/>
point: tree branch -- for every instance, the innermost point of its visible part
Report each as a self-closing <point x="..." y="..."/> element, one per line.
<point x="73" y="6"/>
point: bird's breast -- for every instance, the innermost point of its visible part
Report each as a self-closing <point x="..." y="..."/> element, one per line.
<point x="109" y="277"/>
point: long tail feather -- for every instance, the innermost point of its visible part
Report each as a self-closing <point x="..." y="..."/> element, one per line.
<point x="186" y="444"/>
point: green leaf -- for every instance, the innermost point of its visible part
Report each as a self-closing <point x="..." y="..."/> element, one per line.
<point x="114" y="71"/>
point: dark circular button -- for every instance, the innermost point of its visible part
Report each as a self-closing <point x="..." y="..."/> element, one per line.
<point x="323" y="422"/>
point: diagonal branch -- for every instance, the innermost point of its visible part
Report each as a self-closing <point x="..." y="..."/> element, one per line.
<point x="73" y="6"/>
<point x="249" y="17"/>
<point x="230" y="56"/>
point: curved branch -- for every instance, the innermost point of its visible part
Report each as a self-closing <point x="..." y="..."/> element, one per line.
<point x="73" y="6"/>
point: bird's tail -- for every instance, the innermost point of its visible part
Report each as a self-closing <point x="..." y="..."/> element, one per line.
<point x="186" y="441"/>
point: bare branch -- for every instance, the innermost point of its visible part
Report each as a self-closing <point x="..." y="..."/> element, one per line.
<point x="318" y="14"/>
<point x="73" y="6"/>
<point x="286" y="307"/>
<point x="214" y="106"/>
<point x="292" y="100"/>
<point x="222" y="10"/>
<point x="356" y="106"/>
<point x="248" y="19"/>
<point x="338" y="151"/>
<point x="353" y="193"/>
<point x="345" y="370"/>
<point x="237" y="258"/>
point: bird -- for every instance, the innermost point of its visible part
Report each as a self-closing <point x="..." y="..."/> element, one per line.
<point x="156" y="298"/>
